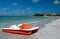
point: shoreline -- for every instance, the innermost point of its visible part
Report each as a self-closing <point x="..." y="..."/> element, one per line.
<point x="50" y="30"/>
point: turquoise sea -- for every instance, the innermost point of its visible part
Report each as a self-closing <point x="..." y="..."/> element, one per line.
<point x="6" y="21"/>
<point x="9" y="20"/>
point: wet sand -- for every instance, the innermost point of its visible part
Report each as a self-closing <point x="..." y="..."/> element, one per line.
<point x="50" y="30"/>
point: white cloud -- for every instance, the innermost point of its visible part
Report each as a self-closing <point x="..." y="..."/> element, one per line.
<point x="35" y="0"/>
<point x="4" y="11"/>
<point x="28" y="9"/>
<point x="56" y="2"/>
<point x="14" y="3"/>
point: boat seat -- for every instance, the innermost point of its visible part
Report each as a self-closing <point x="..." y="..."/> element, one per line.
<point x="33" y="28"/>
<point x="25" y="26"/>
<point x="13" y="27"/>
<point x="19" y="25"/>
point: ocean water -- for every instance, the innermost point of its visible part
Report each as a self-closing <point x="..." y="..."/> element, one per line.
<point x="9" y="20"/>
<point x="6" y="21"/>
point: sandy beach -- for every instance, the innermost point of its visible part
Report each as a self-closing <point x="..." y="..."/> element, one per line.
<point x="50" y="30"/>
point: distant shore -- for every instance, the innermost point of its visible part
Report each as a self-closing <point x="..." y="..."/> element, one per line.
<point x="46" y="15"/>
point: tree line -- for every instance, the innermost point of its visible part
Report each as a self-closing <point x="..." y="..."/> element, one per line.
<point x="46" y="14"/>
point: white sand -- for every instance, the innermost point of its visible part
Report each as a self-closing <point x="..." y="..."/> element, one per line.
<point x="51" y="30"/>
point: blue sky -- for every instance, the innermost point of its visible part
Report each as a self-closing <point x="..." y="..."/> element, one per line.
<point x="28" y="7"/>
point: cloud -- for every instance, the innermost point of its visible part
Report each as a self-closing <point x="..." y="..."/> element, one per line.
<point x="27" y="8"/>
<point x="4" y="11"/>
<point x="56" y="2"/>
<point x="14" y="3"/>
<point x="8" y="12"/>
<point x="35" y="0"/>
<point x="26" y="11"/>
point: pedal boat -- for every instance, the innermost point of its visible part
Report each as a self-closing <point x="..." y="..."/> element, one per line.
<point x="24" y="29"/>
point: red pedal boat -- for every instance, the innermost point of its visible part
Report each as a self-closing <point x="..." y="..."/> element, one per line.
<point x="23" y="29"/>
